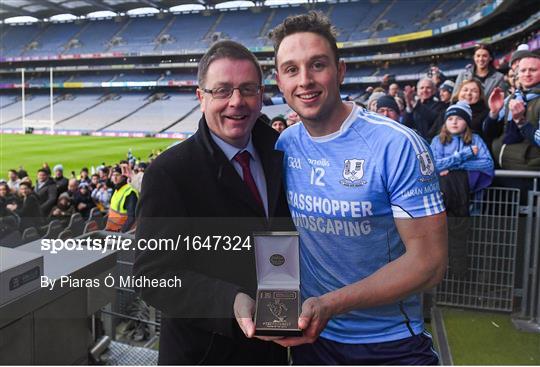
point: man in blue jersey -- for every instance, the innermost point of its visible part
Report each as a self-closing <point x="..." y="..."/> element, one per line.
<point x="365" y="197"/>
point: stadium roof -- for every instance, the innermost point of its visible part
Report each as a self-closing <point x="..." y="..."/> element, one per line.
<point x="41" y="9"/>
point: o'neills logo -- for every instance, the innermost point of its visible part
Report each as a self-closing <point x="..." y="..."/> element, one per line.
<point x="277" y="260"/>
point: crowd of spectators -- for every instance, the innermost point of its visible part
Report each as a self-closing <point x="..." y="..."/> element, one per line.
<point x="113" y="190"/>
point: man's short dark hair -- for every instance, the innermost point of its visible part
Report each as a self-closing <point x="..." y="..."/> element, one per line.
<point x="225" y="50"/>
<point x="12" y="171"/>
<point x="314" y="22"/>
<point x="44" y="170"/>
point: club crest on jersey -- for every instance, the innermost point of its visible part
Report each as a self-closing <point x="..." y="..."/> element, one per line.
<point x="427" y="167"/>
<point x="353" y="171"/>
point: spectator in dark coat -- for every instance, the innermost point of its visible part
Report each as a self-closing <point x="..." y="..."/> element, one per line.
<point x="83" y="201"/>
<point x="84" y="176"/>
<point x="423" y="109"/>
<point x="64" y="208"/>
<point x="6" y="198"/>
<point x="73" y="188"/>
<point x="46" y="190"/>
<point x="27" y="207"/>
<point x="61" y="181"/>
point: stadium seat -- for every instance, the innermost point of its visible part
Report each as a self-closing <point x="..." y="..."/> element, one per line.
<point x="65" y="234"/>
<point x="11" y="240"/>
<point x="102" y="221"/>
<point x="30" y="234"/>
<point x="93" y="212"/>
<point x="76" y="225"/>
<point x="90" y="226"/>
<point x="53" y="229"/>
<point x="98" y="217"/>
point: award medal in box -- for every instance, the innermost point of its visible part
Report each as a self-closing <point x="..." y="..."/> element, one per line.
<point x="278" y="284"/>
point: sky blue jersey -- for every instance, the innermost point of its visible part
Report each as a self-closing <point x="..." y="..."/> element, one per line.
<point x="344" y="191"/>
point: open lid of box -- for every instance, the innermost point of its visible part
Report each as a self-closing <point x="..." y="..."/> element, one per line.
<point x="277" y="259"/>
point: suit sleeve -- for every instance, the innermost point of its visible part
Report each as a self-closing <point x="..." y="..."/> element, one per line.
<point x="205" y="302"/>
<point x="47" y="205"/>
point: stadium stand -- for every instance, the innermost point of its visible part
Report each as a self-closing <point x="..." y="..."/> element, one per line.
<point x="185" y="32"/>
<point x="11" y="115"/>
<point x="15" y="38"/>
<point x="137" y="33"/>
<point x="111" y="109"/>
<point x="189" y="124"/>
<point x="93" y="37"/>
<point x="169" y="33"/>
<point x="158" y="114"/>
<point x="51" y="40"/>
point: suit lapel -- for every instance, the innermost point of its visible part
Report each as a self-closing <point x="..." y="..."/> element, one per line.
<point x="229" y="178"/>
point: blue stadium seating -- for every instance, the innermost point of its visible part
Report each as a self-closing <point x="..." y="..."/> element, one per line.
<point x="95" y="36"/>
<point x="180" y="33"/>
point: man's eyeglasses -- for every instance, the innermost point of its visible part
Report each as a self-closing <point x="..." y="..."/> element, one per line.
<point x="248" y="90"/>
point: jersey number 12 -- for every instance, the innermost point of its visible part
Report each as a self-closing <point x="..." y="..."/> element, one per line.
<point x="317" y="174"/>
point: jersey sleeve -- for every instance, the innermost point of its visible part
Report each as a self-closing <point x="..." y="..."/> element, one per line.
<point x="411" y="177"/>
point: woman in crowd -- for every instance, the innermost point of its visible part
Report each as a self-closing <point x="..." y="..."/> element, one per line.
<point x="482" y="70"/>
<point x="464" y="164"/>
<point x="6" y="198"/>
<point x="27" y="207"/>
<point x="471" y="91"/>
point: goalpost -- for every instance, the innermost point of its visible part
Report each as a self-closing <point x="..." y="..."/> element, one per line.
<point x="37" y="124"/>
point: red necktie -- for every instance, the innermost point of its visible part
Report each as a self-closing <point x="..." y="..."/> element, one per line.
<point x="243" y="159"/>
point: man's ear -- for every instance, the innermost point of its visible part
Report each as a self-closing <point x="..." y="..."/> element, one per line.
<point x="200" y="96"/>
<point x="342" y="68"/>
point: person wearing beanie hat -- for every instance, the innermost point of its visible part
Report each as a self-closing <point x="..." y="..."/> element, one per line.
<point x="279" y="123"/>
<point x="461" y="109"/>
<point x="445" y="91"/>
<point x="457" y="147"/>
<point x="387" y="106"/>
<point x="64" y="208"/>
<point x="59" y="179"/>
<point x="372" y="101"/>
<point x="520" y="52"/>
<point x="464" y="164"/>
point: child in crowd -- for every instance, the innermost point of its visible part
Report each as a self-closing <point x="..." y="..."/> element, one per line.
<point x="465" y="166"/>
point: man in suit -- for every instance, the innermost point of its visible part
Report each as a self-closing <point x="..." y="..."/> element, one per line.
<point x="224" y="181"/>
<point x="46" y="191"/>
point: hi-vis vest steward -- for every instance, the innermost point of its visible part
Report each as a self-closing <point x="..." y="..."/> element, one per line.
<point x="117" y="213"/>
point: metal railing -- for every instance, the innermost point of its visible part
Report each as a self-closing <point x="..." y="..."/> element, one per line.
<point x="496" y="224"/>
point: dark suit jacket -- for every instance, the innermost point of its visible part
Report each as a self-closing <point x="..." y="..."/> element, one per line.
<point x="424" y="116"/>
<point x="47" y="195"/>
<point x="192" y="189"/>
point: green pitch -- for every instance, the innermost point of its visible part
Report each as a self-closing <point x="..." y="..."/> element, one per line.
<point x="487" y="338"/>
<point x="73" y="152"/>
